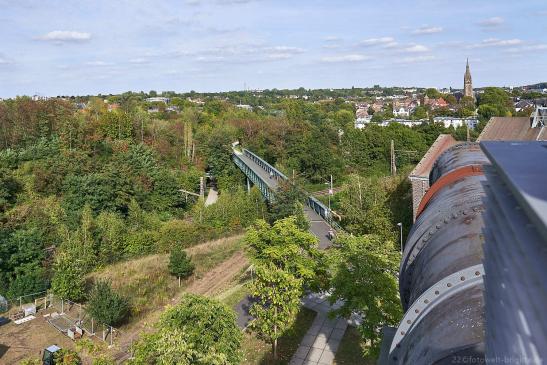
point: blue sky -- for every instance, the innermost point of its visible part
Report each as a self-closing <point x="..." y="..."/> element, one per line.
<point x="110" y="46"/>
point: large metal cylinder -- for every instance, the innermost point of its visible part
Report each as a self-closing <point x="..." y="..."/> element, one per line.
<point x="441" y="271"/>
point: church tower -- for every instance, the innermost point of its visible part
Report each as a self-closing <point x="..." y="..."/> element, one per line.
<point x="467" y="83"/>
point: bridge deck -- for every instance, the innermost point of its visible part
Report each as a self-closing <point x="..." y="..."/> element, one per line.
<point x="318" y="226"/>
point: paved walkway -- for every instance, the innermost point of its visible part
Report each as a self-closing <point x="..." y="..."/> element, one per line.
<point x="323" y="337"/>
<point x="212" y="197"/>
<point x="318" y="226"/>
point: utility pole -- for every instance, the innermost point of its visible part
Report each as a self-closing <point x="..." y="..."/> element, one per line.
<point x="468" y="136"/>
<point x="393" y="165"/>
<point x="331" y="191"/>
<point x="401" y="235"/>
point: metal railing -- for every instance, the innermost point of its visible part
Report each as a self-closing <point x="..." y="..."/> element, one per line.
<point x="316" y="205"/>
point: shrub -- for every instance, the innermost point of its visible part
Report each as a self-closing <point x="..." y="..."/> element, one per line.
<point x="67" y="357"/>
<point x="180" y="264"/>
<point x="198" y="330"/>
<point x="107" y="306"/>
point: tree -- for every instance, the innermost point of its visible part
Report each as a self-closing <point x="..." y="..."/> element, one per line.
<point x="67" y="357"/>
<point x="419" y="113"/>
<point x="364" y="209"/>
<point x="179" y="263"/>
<point x="277" y="295"/>
<point x="432" y="93"/>
<point x="68" y="279"/>
<point x="198" y="330"/>
<point x="9" y="187"/>
<point x="287" y="199"/>
<point x="107" y="306"/>
<point x="285" y="246"/>
<point x="495" y="102"/>
<point x="365" y="279"/>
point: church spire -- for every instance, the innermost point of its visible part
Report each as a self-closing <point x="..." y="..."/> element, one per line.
<point x="467" y="82"/>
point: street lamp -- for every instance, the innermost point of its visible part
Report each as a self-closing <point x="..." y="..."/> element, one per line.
<point x="331" y="191"/>
<point x="400" y="225"/>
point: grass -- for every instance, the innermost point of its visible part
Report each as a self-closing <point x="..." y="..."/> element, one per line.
<point x="234" y="295"/>
<point x="258" y="352"/>
<point x="147" y="283"/>
<point x="350" y="351"/>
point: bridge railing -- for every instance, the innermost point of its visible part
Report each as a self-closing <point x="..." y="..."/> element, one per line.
<point x="263" y="164"/>
<point x="323" y="211"/>
<point x="311" y="201"/>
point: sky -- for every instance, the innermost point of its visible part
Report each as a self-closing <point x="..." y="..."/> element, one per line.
<point x="59" y="47"/>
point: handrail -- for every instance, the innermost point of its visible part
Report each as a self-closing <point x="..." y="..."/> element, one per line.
<point x="311" y="201"/>
<point x="265" y="165"/>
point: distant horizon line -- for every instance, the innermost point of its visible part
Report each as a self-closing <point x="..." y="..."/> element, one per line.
<point x="262" y="89"/>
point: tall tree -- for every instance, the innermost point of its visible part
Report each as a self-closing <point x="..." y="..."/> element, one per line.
<point x="286" y="247"/>
<point x="277" y="295"/>
<point x="365" y="280"/>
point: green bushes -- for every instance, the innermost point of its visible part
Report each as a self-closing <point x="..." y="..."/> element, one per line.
<point x="179" y="264"/>
<point x="107" y="306"/>
<point x="198" y="330"/>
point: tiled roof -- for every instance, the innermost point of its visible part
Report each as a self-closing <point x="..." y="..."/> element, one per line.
<point x="510" y="129"/>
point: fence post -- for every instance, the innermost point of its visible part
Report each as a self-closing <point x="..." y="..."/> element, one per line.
<point x="111" y="335"/>
<point x="62" y="306"/>
<point x="20" y="302"/>
<point x="92" y="330"/>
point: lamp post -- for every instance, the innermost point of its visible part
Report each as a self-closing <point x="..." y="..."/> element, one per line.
<point x="400" y="224"/>
<point x="331" y="191"/>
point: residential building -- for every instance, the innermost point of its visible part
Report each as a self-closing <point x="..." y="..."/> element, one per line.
<point x="456" y="122"/>
<point x="435" y="103"/>
<point x="244" y="106"/>
<point x="407" y="122"/>
<point x="113" y="106"/>
<point x="361" y="122"/>
<point x="158" y="99"/>
<point x="513" y="129"/>
<point x="37" y="97"/>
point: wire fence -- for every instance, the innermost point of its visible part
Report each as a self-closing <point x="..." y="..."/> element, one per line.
<point x="68" y="317"/>
<point x="77" y="314"/>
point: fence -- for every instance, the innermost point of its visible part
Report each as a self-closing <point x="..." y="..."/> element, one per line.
<point x="76" y="314"/>
<point x="39" y="299"/>
<point x="63" y="314"/>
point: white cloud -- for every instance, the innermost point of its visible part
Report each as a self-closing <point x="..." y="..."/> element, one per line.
<point x="139" y="61"/>
<point x="4" y="60"/>
<point x="243" y="53"/>
<point x="528" y="48"/>
<point x="493" y="22"/>
<point x="416" y="59"/>
<point x="416" y="48"/>
<point x="65" y="36"/>
<point x="345" y="58"/>
<point x="377" y="41"/>
<point x="494" y="42"/>
<point x="332" y="38"/>
<point x="427" y="30"/>
<point x="98" y="63"/>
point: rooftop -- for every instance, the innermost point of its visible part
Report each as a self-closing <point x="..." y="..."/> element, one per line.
<point x="511" y="129"/>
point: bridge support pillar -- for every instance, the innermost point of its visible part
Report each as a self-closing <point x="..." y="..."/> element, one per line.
<point x="248" y="185"/>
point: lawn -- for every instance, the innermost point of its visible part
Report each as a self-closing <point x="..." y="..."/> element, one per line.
<point x="147" y="283"/>
<point x="350" y="351"/>
<point x="258" y="352"/>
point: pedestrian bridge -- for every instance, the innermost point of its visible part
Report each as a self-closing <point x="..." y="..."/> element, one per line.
<point x="267" y="178"/>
